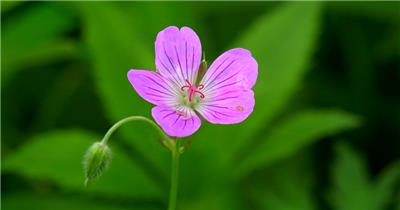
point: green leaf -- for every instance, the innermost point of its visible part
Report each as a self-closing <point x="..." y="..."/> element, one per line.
<point x="282" y="41"/>
<point x="386" y="184"/>
<point x="291" y="135"/>
<point x="57" y="156"/>
<point x="31" y="201"/>
<point x="352" y="187"/>
<point x="397" y="202"/>
<point x="275" y="188"/>
<point x="220" y="198"/>
<point x="9" y="5"/>
<point x="387" y="11"/>
<point x="35" y="37"/>
<point x="351" y="184"/>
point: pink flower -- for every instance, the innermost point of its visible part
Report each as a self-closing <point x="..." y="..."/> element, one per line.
<point x="223" y="96"/>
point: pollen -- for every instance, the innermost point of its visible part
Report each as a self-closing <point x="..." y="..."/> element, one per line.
<point x="240" y="108"/>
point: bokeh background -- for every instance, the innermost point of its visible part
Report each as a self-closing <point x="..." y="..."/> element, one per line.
<point x="325" y="133"/>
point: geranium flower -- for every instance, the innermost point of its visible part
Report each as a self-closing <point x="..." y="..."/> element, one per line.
<point x="223" y="96"/>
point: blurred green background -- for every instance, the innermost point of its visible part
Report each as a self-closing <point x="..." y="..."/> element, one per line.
<point x="325" y="133"/>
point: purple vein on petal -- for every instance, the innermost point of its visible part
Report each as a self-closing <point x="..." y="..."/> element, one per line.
<point x="165" y="110"/>
<point x="212" y="74"/>
<point x="224" y="93"/>
<point x="223" y="86"/>
<point x="159" y="98"/>
<point x="176" y="119"/>
<point x="210" y="112"/>
<point x="168" y="115"/>
<point x="213" y="80"/>
<point x="168" y="102"/>
<point x="230" y="77"/>
<point x="215" y="106"/>
<point x="221" y="113"/>
<point x="156" y="83"/>
<point x="213" y="112"/>
<point x="221" y="99"/>
<point x="193" y="76"/>
<point x="179" y="62"/>
<point x="186" y="64"/>
<point x="184" y="125"/>
<point x="169" y="94"/>
<point x="176" y="81"/>
<point x="173" y="67"/>
<point x="152" y="94"/>
<point x="174" y="86"/>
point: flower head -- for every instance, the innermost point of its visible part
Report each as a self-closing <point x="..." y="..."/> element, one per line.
<point x="223" y="96"/>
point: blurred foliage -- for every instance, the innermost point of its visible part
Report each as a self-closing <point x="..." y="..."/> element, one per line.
<point x="298" y="131"/>
<point x="326" y="71"/>
<point x="60" y="163"/>
<point x="353" y="188"/>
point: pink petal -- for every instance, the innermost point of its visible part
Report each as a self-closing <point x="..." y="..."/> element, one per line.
<point x="178" y="54"/>
<point x="228" y="106"/>
<point x="152" y="87"/>
<point x="234" y="68"/>
<point x="181" y="123"/>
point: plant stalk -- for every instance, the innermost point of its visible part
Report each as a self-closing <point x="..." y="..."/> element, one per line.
<point x="172" y="144"/>
<point x="174" y="176"/>
<point x="133" y="118"/>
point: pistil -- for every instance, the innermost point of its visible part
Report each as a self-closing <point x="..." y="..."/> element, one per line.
<point x="192" y="90"/>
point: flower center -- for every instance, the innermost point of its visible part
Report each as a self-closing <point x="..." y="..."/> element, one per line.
<point x="192" y="90"/>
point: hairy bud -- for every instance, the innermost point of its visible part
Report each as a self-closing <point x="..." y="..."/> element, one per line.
<point x="202" y="69"/>
<point x="96" y="160"/>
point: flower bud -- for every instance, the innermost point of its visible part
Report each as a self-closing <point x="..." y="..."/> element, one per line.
<point x="96" y="160"/>
<point x="202" y="69"/>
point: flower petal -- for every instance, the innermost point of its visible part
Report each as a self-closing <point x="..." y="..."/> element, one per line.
<point x="181" y="123"/>
<point x="228" y="106"/>
<point x="234" y="68"/>
<point x="178" y="54"/>
<point x="152" y="87"/>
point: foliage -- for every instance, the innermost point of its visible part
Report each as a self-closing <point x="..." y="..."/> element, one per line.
<point x="64" y="67"/>
<point x="353" y="188"/>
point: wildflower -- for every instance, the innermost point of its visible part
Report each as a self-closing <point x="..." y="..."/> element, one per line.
<point x="223" y="95"/>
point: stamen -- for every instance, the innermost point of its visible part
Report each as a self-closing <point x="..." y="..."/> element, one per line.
<point x="192" y="90"/>
<point x="186" y="86"/>
<point x="201" y="94"/>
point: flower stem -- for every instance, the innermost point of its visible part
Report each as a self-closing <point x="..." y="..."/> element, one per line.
<point x="133" y="118"/>
<point x="172" y="144"/>
<point x="174" y="176"/>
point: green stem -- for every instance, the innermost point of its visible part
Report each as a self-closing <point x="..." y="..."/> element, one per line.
<point x="133" y="118"/>
<point x="174" y="176"/>
<point x="172" y="144"/>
